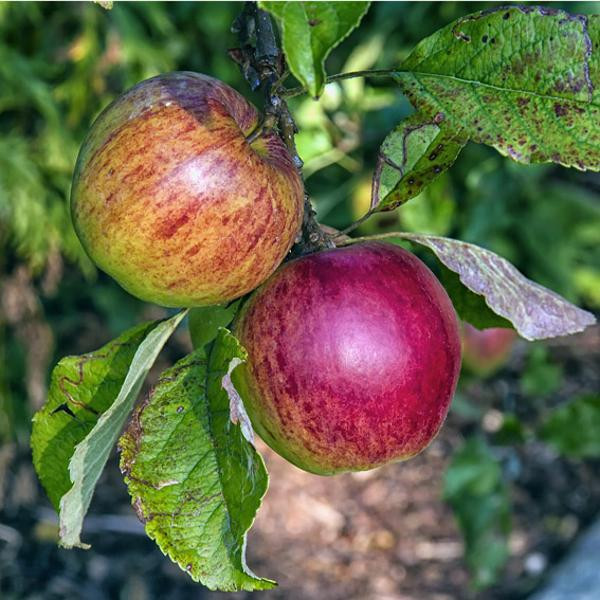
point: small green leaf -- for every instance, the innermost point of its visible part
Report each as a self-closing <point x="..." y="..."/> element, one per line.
<point x="309" y="31"/>
<point x="92" y="452"/>
<point x="574" y="429"/>
<point x="204" y="323"/>
<point x="81" y="389"/>
<point x="523" y="79"/>
<point x="474" y="487"/>
<point x="413" y="155"/>
<point x="195" y="479"/>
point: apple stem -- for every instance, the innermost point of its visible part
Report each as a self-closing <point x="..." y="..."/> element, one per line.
<point x="263" y="65"/>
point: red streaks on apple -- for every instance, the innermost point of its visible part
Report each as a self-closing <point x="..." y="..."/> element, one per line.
<point x="354" y="355"/>
<point x="170" y="199"/>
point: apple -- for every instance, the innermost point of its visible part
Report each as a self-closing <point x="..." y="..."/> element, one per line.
<point x="486" y="350"/>
<point x="172" y="201"/>
<point x="353" y="358"/>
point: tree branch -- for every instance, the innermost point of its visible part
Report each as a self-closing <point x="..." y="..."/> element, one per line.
<point x="263" y="66"/>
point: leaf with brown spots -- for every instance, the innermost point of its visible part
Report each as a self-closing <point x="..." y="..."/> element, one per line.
<point x="195" y="479"/>
<point x="415" y="153"/>
<point x="523" y="79"/>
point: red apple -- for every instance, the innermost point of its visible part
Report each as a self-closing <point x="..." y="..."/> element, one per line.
<point x="353" y="358"/>
<point x="171" y="200"/>
<point x="486" y="350"/>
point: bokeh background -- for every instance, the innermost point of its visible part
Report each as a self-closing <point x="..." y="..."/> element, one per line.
<point x="485" y="512"/>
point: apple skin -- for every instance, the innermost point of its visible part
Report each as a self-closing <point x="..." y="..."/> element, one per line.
<point x="353" y="358"/>
<point x="486" y="350"/>
<point x="170" y="199"/>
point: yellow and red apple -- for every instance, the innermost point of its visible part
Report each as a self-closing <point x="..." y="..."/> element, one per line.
<point x="172" y="201"/>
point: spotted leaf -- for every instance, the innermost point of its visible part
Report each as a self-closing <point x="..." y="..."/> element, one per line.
<point x="415" y="153"/>
<point x="523" y="79"/>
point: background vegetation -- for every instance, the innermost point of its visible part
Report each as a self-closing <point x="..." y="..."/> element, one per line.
<point x="60" y="64"/>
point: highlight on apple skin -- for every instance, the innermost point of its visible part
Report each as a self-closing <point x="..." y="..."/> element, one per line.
<point x="353" y="358"/>
<point x="171" y="200"/>
<point x="485" y="351"/>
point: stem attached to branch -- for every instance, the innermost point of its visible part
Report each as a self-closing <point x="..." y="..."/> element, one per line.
<point x="297" y="91"/>
<point x="377" y="236"/>
<point x="263" y="66"/>
<point x="353" y="226"/>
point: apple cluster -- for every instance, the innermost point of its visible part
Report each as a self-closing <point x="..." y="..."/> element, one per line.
<point x="353" y="352"/>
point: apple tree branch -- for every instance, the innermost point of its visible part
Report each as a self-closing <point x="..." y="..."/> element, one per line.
<point x="263" y="65"/>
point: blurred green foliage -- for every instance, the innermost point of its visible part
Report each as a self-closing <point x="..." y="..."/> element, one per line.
<point x="475" y="488"/>
<point x="541" y="375"/>
<point x="573" y="429"/>
<point x="62" y="63"/>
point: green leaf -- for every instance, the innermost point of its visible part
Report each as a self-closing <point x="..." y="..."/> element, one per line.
<point x="81" y="389"/>
<point x="523" y="79"/>
<point x="535" y="312"/>
<point x="204" y="323"/>
<point x="310" y="31"/>
<point x="413" y="155"/>
<point x="92" y="452"/>
<point x="195" y="479"/>
<point x="574" y="429"/>
<point x="474" y="487"/>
